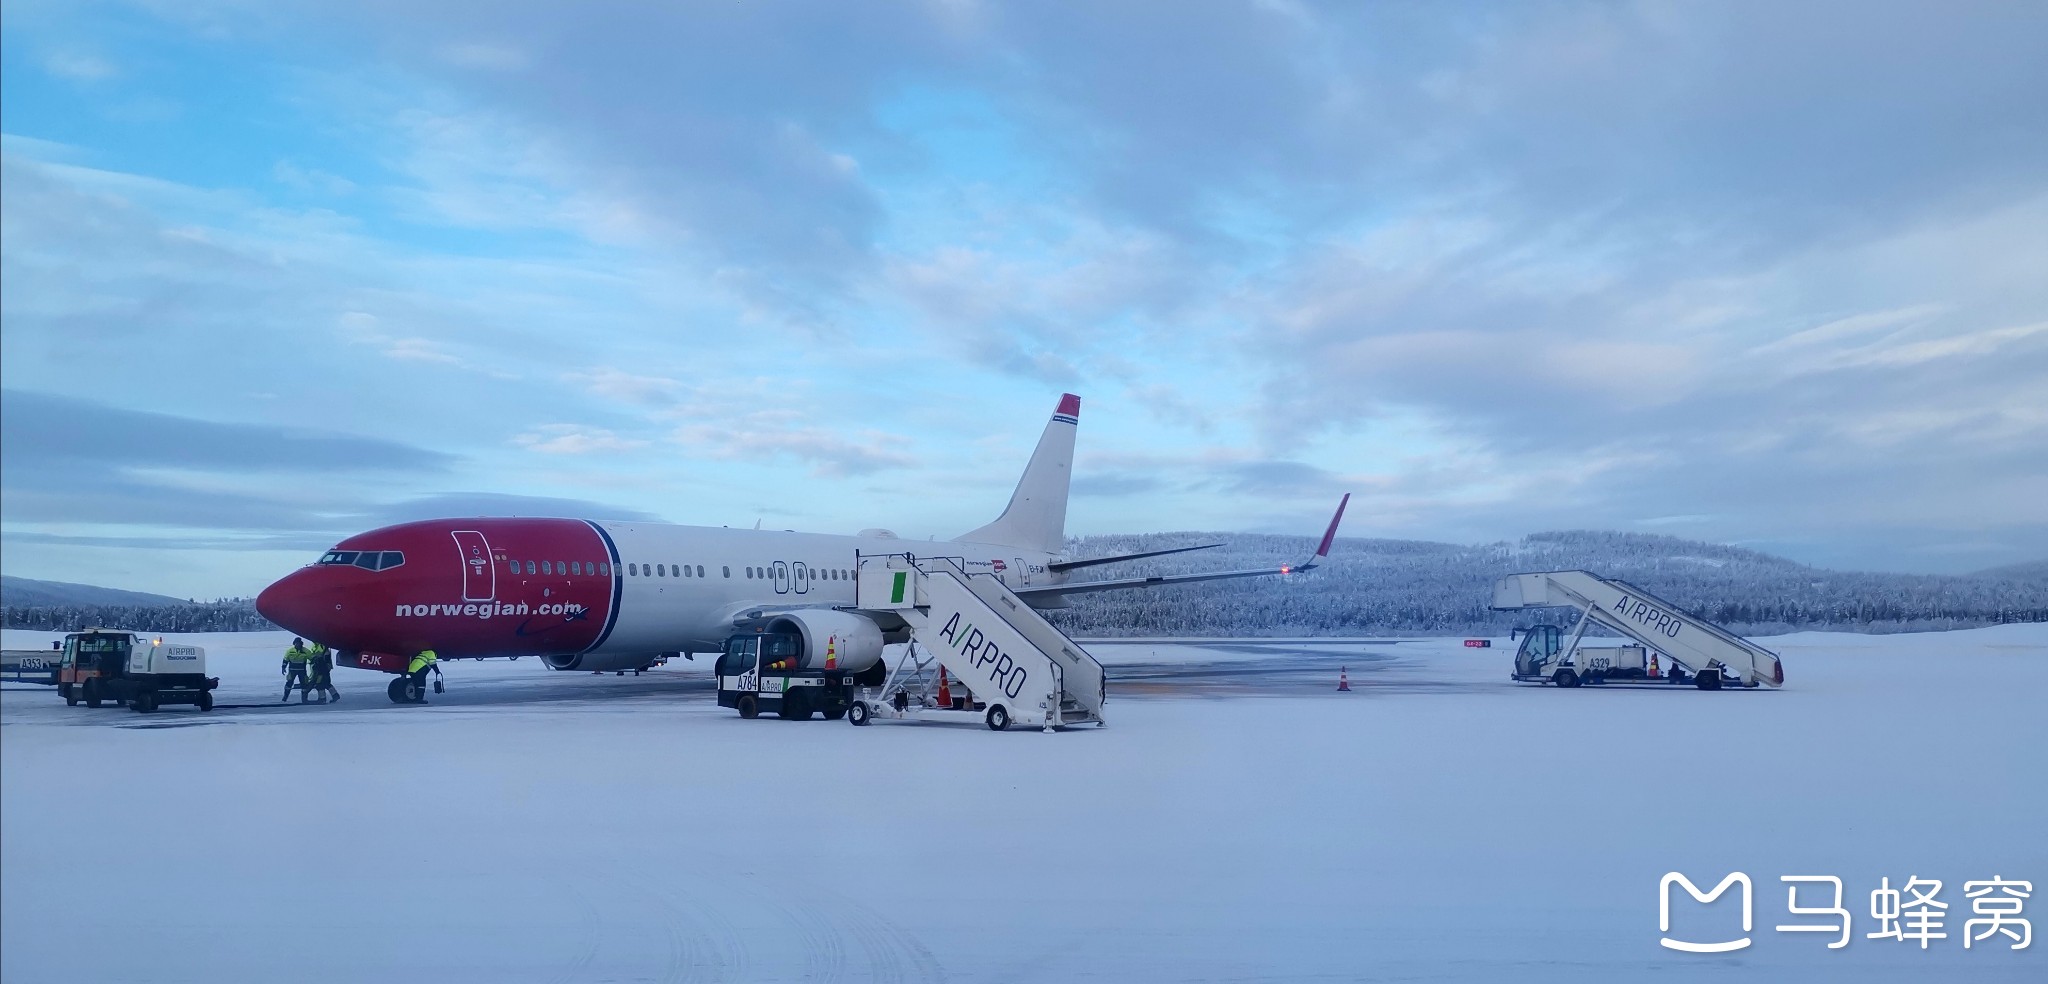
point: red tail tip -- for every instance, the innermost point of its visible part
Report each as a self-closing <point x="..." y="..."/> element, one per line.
<point x="1070" y="405"/>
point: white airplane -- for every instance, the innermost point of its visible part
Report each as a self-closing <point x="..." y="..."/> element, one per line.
<point x="603" y="595"/>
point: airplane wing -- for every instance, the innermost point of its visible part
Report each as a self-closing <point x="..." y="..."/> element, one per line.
<point x="1052" y="592"/>
<point x="1068" y="565"/>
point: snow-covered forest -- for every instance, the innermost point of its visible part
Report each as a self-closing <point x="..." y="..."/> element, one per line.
<point x="1412" y="586"/>
<point x="227" y="615"/>
<point x="1396" y="586"/>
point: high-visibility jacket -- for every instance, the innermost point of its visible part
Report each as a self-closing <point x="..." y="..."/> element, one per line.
<point x="425" y="659"/>
<point x="294" y="654"/>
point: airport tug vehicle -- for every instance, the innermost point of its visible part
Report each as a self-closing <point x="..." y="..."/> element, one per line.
<point x="1671" y="647"/>
<point x="799" y="664"/>
<point x="100" y="665"/>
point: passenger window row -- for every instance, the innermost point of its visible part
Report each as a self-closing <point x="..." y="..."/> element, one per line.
<point x="809" y="573"/>
<point x="668" y="570"/>
<point x="600" y="569"/>
<point x="571" y="567"/>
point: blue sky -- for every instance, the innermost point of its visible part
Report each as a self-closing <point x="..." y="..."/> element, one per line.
<point x="1747" y="272"/>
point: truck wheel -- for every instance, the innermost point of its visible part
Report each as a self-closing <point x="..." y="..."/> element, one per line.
<point x="1710" y="680"/>
<point x="70" y="695"/>
<point x="833" y="714"/>
<point x="396" y="691"/>
<point x="92" y="693"/>
<point x="1565" y="678"/>
<point x="206" y="700"/>
<point x="858" y="714"/>
<point x="145" y="703"/>
<point x="998" y="718"/>
<point x="749" y="709"/>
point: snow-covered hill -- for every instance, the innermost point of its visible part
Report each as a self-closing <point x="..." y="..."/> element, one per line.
<point x="1370" y="586"/>
<point x="22" y="592"/>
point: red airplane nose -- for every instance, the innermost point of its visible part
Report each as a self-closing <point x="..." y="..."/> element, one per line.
<point x="297" y="604"/>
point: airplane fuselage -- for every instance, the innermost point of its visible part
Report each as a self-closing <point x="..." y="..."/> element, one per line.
<point x="612" y="592"/>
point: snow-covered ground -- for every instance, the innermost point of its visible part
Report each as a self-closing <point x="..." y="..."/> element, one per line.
<point x="1238" y="820"/>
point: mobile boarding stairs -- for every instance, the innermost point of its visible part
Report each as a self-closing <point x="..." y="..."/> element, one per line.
<point x="1710" y="653"/>
<point x="978" y="652"/>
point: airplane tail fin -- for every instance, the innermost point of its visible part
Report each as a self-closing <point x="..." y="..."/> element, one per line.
<point x="1036" y="518"/>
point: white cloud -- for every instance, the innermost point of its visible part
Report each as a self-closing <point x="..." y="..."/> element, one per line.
<point x="762" y="419"/>
<point x="486" y="56"/>
<point x="80" y="66"/>
<point x="575" y="439"/>
<point x="1970" y="343"/>
<point x="768" y="435"/>
<point x="421" y="350"/>
<point x="625" y="387"/>
<point x="1852" y="326"/>
<point x="310" y="179"/>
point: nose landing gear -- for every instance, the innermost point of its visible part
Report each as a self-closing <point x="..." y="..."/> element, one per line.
<point x="407" y="690"/>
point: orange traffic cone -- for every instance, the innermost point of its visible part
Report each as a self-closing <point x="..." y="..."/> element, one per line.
<point x="1653" y="665"/>
<point x="1344" y="679"/>
<point x="945" y="693"/>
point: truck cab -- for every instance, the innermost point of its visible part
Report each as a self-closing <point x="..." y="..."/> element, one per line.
<point x="1534" y="659"/>
<point x="764" y="671"/>
<point x="92" y="659"/>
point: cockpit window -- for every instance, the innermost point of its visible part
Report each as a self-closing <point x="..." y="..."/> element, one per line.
<point x="380" y="561"/>
<point x="369" y="560"/>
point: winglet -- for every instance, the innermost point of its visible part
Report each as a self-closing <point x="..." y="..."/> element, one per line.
<point x="1329" y="536"/>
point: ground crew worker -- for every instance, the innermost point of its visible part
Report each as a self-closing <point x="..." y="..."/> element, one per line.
<point x="323" y="673"/>
<point x="296" y="660"/>
<point x="418" y="668"/>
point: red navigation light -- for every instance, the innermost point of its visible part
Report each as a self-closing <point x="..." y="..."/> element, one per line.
<point x="1286" y="570"/>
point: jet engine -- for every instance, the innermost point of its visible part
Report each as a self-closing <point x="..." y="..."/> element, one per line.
<point x="852" y="643"/>
<point x="602" y="663"/>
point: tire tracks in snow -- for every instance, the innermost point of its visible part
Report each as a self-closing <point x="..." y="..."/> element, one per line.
<point x="830" y="936"/>
<point x="891" y="955"/>
<point x="586" y="954"/>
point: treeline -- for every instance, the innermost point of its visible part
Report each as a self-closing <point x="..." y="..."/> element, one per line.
<point x="226" y="615"/>
<point x="1405" y="586"/>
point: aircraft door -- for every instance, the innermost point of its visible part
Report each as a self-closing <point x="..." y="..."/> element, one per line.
<point x="803" y="577"/>
<point x="779" y="572"/>
<point x="479" y="575"/>
<point x="1023" y="571"/>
